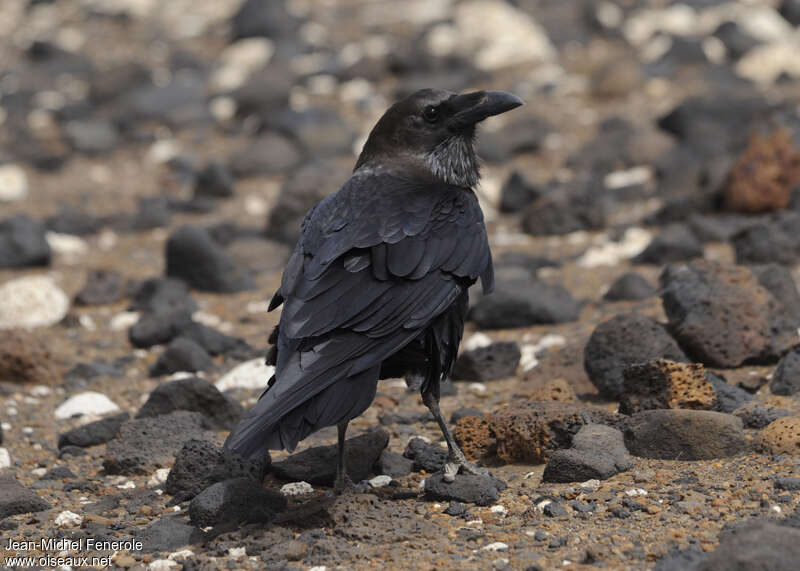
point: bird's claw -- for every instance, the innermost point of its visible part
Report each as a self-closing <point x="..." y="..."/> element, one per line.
<point x="456" y="464"/>
<point x="346" y="486"/>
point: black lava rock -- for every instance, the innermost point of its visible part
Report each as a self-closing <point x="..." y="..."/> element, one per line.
<point x="17" y="499"/>
<point x="496" y="361"/>
<point x="428" y="457"/>
<point x="757" y="415"/>
<point x="394" y="464"/>
<point x="168" y="535"/>
<point x="270" y="153"/>
<point x="193" y="256"/>
<point x="786" y="380"/>
<point x="158" y="328"/>
<point x="194" y="394"/>
<point x="180" y="102"/>
<point x="756" y="545"/>
<point x="71" y="220"/>
<point x="318" y="465"/>
<point x="779" y="282"/>
<point x="93" y="433"/>
<point x="689" y="559"/>
<point x="598" y="452"/>
<point x="265" y="92"/>
<point x="790" y="10"/>
<point x="517" y="193"/>
<point x="201" y="463"/>
<point x="152" y="212"/>
<point x="102" y="287"/>
<point x="182" y="354"/>
<point x="479" y="490"/>
<point x="260" y="18"/>
<point x="623" y="340"/>
<point x="630" y="286"/>
<point x="737" y="42"/>
<point x="215" y="342"/>
<point x="676" y="434"/>
<point x="58" y="473"/>
<point x="565" y="210"/>
<point x="675" y="243"/>
<point x="460" y="413"/>
<point x="729" y="397"/>
<point x="91" y="136"/>
<point x="522" y="302"/>
<point x="214" y="181"/>
<point x="23" y="243"/>
<point x="320" y="131"/>
<point x="790" y="484"/>
<point x="239" y="500"/>
<point x="775" y="240"/>
<point x="145" y="444"/>
<point x="159" y="295"/>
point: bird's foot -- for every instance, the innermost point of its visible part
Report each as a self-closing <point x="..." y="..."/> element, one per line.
<point x="343" y="485"/>
<point x="457" y="463"/>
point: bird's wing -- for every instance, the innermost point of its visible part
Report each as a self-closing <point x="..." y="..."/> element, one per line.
<point x="375" y="264"/>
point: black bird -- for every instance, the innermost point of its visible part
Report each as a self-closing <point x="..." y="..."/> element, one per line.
<point x="377" y="284"/>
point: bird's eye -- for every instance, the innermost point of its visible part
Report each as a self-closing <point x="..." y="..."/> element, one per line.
<point x="431" y="114"/>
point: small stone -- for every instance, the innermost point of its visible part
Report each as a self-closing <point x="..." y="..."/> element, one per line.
<point x="496" y="361"/>
<point x="554" y="390"/>
<point x="13" y="183"/>
<point x="781" y="436"/>
<point x="630" y="286"/>
<point x="271" y="153"/>
<point x="394" y="464"/>
<point x="598" y="452"/>
<point x="666" y="384"/>
<point x="318" y="465"/>
<point x="729" y="397"/>
<point x="380" y="481"/>
<point x="456" y="509"/>
<point x="92" y="136"/>
<point x="193" y="256"/>
<point x="193" y="394"/>
<point x="25" y="358"/>
<point x="68" y="519"/>
<point x="102" y="287"/>
<point x="89" y="403"/>
<point x="158" y="328"/>
<point x="93" y="433"/>
<point x="621" y="341"/>
<point x="517" y="193"/>
<point x="32" y="301"/>
<point x="23" y="243"/>
<point x="17" y="499"/>
<point x="162" y="295"/>
<point x="675" y="243"/>
<point x="182" y="354"/>
<point x="428" y="457"/>
<point x="757" y="415"/>
<point x="554" y="509"/>
<point x="684" y="435"/>
<point x="524" y="302"/>
<point x="240" y="500"/>
<point x="296" y="489"/>
<point x="200" y="463"/>
<point x="250" y="375"/>
<point x="480" y="490"/>
<point x="214" y="181"/>
<point x="786" y="379"/>
<point x="73" y="221"/>
<point x="757" y="543"/>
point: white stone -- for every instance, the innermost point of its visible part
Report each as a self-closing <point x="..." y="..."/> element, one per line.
<point x="248" y="55"/>
<point x="496" y="546"/>
<point x="498" y="35"/>
<point x="88" y="403"/>
<point x="13" y="183"/>
<point x="476" y="341"/>
<point x="40" y="391"/>
<point x="252" y="375"/>
<point x="158" y="478"/>
<point x="32" y="301"/>
<point x="296" y="489"/>
<point x="182" y="554"/>
<point x="163" y="565"/>
<point x="66" y="245"/>
<point x="498" y="509"/>
<point x="629" y="177"/>
<point x="163" y="151"/>
<point x="39" y="472"/>
<point x="380" y="481"/>
<point x="67" y="519"/>
<point x="528" y="360"/>
<point x="591" y="484"/>
<point x="255" y="205"/>
<point x="130" y="485"/>
<point x="477" y="388"/>
<point x="608" y="253"/>
<point x="633" y="492"/>
<point x="223" y="108"/>
<point x="124" y="320"/>
<point x="318" y="568"/>
<point x="5" y="459"/>
<point x="237" y="552"/>
<point x="763" y="64"/>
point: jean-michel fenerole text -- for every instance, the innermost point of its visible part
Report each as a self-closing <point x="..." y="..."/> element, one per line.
<point x="67" y="544"/>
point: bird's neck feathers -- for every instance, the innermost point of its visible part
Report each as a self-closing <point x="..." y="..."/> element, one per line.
<point x="454" y="161"/>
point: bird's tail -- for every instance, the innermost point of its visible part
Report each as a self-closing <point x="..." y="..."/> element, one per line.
<point x="268" y="426"/>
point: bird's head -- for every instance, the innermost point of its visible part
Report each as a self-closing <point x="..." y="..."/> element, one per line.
<point x="434" y="130"/>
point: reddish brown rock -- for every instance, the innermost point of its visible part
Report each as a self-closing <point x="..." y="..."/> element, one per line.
<point x="554" y="390"/>
<point x="763" y="178"/>
<point x="529" y="431"/>
<point x="24" y="358"/>
<point x="473" y="435"/>
<point x="666" y="384"/>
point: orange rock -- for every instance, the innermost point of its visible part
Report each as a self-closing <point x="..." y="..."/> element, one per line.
<point x="666" y="384"/>
<point x="474" y="437"/>
<point x="782" y="436"/>
<point x="763" y="178"/>
<point x="555" y="390"/>
<point x="24" y="358"/>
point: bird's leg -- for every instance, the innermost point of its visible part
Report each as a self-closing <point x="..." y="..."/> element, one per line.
<point x="455" y="459"/>
<point x="342" y="482"/>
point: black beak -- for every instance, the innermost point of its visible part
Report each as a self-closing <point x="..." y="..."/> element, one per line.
<point x="471" y="108"/>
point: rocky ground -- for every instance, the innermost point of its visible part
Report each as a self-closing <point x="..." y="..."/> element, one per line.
<point x="632" y="384"/>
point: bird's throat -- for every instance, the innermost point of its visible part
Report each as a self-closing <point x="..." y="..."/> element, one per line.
<point x="454" y="161"/>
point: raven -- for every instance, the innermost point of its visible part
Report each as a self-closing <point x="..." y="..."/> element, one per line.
<point x="377" y="284"/>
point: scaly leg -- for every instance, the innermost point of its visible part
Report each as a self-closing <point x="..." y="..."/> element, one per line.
<point x="456" y="459"/>
<point x="342" y="482"/>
